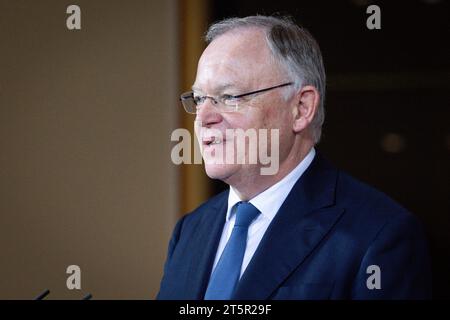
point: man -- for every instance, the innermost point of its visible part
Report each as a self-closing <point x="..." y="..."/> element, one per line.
<point x="308" y="231"/>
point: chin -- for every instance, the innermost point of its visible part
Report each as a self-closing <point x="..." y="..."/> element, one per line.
<point x="221" y="171"/>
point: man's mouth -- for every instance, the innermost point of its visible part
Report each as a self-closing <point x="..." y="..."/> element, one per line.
<point x="207" y="141"/>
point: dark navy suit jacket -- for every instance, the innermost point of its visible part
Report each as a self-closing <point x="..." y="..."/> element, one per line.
<point x="327" y="233"/>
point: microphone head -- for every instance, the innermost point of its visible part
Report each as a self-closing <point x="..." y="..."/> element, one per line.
<point x="87" y="297"/>
<point x="42" y="295"/>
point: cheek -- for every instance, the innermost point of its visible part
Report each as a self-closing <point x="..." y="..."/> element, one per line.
<point x="281" y="118"/>
<point x="245" y="120"/>
<point x="267" y="118"/>
<point x="276" y="118"/>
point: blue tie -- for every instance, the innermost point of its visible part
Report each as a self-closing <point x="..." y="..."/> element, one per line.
<point x="226" y="275"/>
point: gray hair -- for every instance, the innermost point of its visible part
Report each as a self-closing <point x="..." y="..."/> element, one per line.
<point x="293" y="47"/>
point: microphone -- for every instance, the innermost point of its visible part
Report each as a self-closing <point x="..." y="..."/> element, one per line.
<point x="42" y="295"/>
<point x="87" y="297"/>
<point x="46" y="292"/>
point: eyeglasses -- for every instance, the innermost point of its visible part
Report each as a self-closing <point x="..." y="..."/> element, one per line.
<point x="224" y="103"/>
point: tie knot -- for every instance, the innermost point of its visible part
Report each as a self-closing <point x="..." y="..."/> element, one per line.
<point x="245" y="214"/>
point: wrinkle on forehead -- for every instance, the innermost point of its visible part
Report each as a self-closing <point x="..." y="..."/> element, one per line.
<point x="239" y="58"/>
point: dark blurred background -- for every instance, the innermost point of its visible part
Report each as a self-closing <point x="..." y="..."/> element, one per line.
<point x="387" y="105"/>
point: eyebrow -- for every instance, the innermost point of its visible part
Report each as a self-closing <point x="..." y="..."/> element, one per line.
<point x="218" y="88"/>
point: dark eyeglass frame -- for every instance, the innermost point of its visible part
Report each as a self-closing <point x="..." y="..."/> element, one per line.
<point x="187" y="98"/>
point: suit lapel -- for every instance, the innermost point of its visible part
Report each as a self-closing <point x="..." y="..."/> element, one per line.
<point x="305" y="217"/>
<point x="206" y="241"/>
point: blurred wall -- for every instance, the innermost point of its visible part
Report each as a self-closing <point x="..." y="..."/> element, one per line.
<point x="85" y="170"/>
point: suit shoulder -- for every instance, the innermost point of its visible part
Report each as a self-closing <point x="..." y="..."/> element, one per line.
<point x="210" y="206"/>
<point x="371" y="216"/>
<point x="368" y="202"/>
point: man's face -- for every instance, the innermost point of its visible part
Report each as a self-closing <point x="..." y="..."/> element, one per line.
<point x="236" y="63"/>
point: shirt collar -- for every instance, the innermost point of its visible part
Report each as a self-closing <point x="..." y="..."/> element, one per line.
<point x="270" y="200"/>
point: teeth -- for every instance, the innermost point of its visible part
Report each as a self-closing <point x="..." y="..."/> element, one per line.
<point x="212" y="140"/>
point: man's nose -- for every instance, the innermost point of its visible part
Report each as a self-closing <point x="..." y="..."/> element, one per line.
<point x="208" y="113"/>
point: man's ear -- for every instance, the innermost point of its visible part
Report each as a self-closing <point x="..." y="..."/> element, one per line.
<point x="307" y="102"/>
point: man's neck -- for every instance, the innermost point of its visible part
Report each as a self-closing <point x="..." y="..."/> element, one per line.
<point x="250" y="187"/>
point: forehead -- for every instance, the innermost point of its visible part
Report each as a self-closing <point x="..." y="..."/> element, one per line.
<point x="238" y="58"/>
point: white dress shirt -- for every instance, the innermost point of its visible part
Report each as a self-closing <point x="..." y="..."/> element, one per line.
<point x="267" y="202"/>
